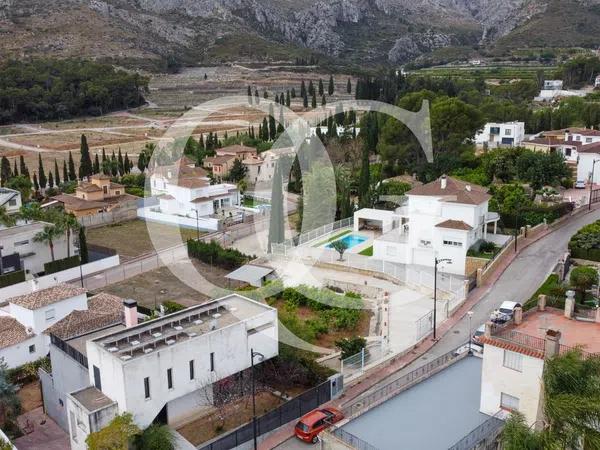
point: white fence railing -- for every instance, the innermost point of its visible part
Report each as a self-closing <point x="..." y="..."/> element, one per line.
<point x="304" y="238"/>
<point x="371" y="354"/>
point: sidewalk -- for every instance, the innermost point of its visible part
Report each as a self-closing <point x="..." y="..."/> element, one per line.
<point x="376" y="375"/>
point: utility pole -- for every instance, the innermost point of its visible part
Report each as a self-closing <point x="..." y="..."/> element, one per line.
<point x="592" y="182"/>
<point x="260" y="358"/>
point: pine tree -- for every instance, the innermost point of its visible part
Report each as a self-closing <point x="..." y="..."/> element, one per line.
<point x="36" y="184"/>
<point x="314" y="100"/>
<point x="41" y="174"/>
<point x="85" y="164"/>
<point x="331" y="86"/>
<point x="72" y="173"/>
<point x="349" y="86"/>
<point x="5" y="172"/>
<point x="321" y="91"/>
<point x="65" y="172"/>
<point x="96" y="164"/>
<point x="56" y="174"/>
<point x="24" y="170"/>
<point x="50" y="180"/>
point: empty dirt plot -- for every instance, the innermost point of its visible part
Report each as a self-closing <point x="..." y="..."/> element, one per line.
<point x="132" y="239"/>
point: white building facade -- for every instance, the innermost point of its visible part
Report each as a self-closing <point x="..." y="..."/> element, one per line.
<point x="508" y="134"/>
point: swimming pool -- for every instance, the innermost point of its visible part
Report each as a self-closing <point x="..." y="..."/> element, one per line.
<point x="351" y="240"/>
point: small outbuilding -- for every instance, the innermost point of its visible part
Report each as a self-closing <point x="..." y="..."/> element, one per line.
<point x="374" y="219"/>
<point x="252" y="274"/>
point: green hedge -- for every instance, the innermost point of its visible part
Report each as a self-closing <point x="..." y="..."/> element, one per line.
<point x="12" y="278"/>
<point x="592" y="254"/>
<point x="212" y="253"/>
<point x="61" y="264"/>
<point x="536" y="214"/>
<point x="585" y="244"/>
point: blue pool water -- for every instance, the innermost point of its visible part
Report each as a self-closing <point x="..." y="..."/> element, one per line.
<point x="351" y="240"/>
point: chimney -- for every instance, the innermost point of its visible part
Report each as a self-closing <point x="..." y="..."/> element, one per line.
<point x="443" y="181"/>
<point x="541" y="304"/>
<point x="552" y="343"/>
<point x="570" y="304"/>
<point x="130" y="312"/>
<point x="518" y="315"/>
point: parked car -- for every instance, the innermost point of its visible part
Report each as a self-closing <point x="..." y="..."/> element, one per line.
<point x="311" y="424"/>
<point x="479" y="332"/>
<point x="505" y="312"/>
<point x="580" y="184"/>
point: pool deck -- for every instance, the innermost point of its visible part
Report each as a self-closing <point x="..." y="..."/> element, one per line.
<point x="369" y="235"/>
<point x="432" y="415"/>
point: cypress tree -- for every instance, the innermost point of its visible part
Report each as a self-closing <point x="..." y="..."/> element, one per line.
<point x="331" y="86"/>
<point x="265" y="94"/>
<point x="349" y="86"/>
<point x="256" y="97"/>
<point x="314" y="100"/>
<point x="282" y="99"/>
<point x="41" y="174"/>
<point x="103" y="155"/>
<point x="323" y="101"/>
<point x="24" y="169"/>
<point x="293" y="92"/>
<point x="321" y="91"/>
<point x="249" y="95"/>
<point x="141" y="162"/>
<point x="311" y="88"/>
<point x="121" y="163"/>
<point x="276" y="226"/>
<point x="96" y="164"/>
<point x="302" y="89"/>
<point x="5" y="172"/>
<point x="305" y="100"/>
<point x="265" y="130"/>
<point x="85" y="164"/>
<point x="364" y="181"/>
<point x="288" y="100"/>
<point x="272" y="125"/>
<point x="56" y="173"/>
<point x="127" y="164"/>
<point x="16" y="169"/>
<point x="50" y="180"/>
<point x="83" y="250"/>
<point x="36" y="184"/>
<point x="65" y="172"/>
<point x="72" y="173"/>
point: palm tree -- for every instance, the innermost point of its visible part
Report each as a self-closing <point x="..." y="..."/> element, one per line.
<point x="6" y="219"/>
<point x="70" y="224"/>
<point x="48" y="235"/>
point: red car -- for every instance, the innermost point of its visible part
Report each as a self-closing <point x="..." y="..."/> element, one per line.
<point x="311" y="424"/>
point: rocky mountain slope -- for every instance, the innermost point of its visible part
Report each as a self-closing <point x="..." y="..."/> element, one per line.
<point x="372" y="31"/>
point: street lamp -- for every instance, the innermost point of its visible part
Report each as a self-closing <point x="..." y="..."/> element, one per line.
<point x="517" y="228"/>
<point x="435" y="268"/>
<point x="592" y="182"/>
<point x="470" y="315"/>
<point x="260" y="358"/>
<point x="197" y="225"/>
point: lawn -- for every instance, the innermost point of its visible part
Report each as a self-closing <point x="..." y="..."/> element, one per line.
<point x="249" y="202"/>
<point x="333" y="238"/>
<point x="367" y="251"/>
<point x="131" y="239"/>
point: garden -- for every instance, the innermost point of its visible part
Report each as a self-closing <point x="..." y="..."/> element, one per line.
<point x="585" y="244"/>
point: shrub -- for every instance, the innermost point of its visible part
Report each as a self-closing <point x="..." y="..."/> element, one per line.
<point x="583" y="278"/>
<point x="11" y="278"/>
<point x="29" y="371"/>
<point x="171" y="307"/>
<point x="212" y="253"/>
<point x="585" y="244"/>
<point x="61" y="264"/>
<point x="351" y="346"/>
<point x="487" y="247"/>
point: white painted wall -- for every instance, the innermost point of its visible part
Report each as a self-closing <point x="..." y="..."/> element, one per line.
<point x="525" y="385"/>
<point x="19" y="354"/>
<point x="36" y="319"/>
<point x="584" y="167"/>
<point x="204" y="223"/>
<point x="507" y="130"/>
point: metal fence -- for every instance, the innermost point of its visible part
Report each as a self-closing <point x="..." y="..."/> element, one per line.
<point x="487" y="432"/>
<point x="522" y="339"/>
<point x="351" y="440"/>
<point x="354" y="364"/>
<point x="296" y="407"/>
<point x="304" y="238"/>
<point x="398" y="385"/>
<point x="424" y="325"/>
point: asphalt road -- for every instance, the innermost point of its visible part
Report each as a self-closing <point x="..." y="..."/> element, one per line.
<point x="518" y="282"/>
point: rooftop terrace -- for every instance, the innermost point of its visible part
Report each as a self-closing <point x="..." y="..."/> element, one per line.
<point x="190" y="323"/>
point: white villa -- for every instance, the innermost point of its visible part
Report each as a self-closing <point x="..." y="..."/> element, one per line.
<point x="442" y="219"/>
<point x="494" y="135"/>
<point x="185" y="190"/>
<point x="10" y="200"/>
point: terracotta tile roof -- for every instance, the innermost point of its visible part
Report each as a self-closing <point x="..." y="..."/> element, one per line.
<point x="511" y="346"/>
<point x="590" y="148"/>
<point x="456" y="191"/>
<point x="551" y="141"/>
<point x="103" y="310"/>
<point x="455" y="225"/>
<point x="48" y="296"/>
<point x="84" y="186"/>
<point x="166" y="197"/>
<point x="12" y="332"/>
<point x="77" y="204"/>
<point x="191" y="183"/>
<point x="116" y="185"/>
<point x="221" y="159"/>
<point x="583" y="131"/>
<point x="235" y="149"/>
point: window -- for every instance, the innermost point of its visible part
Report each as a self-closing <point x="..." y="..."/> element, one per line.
<point x="118" y="192"/>
<point x="170" y="378"/>
<point x="97" y="379"/>
<point x="18" y="243"/>
<point x="588" y="140"/>
<point x="192" y="369"/>
<point x="49" y="314"/>
<point x="105" y="189"/>
<point x="509" y="402"/>
<point x="453" y="243"/>
<point x="212" y="361"/>
<point x="60" y="402"/>
<point x="507" y="132"/>
<point x="146" y="388"/>
<point x="513" y="360"/>
<point x="12" y="202"/>
<point x="32" y="348"/>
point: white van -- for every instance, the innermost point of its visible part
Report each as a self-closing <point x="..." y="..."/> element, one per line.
<point x="505" y="312"/>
